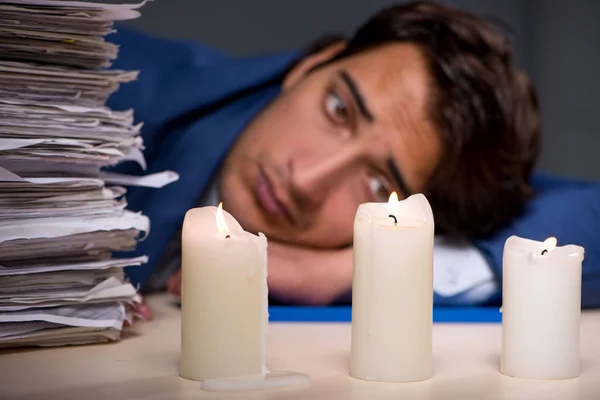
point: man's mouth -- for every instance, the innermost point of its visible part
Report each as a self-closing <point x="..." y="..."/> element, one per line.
<point x="266" y="196"/>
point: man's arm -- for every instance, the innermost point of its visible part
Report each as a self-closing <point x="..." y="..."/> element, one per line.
<point x="571" y="213"/>
<point x="301" y="275"/>
<point x="308" y="276"/>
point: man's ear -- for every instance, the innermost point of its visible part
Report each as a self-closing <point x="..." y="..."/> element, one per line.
<point x="306" y="64"/>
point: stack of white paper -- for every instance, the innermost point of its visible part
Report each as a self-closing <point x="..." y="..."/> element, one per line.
<point x="61" y="217"/>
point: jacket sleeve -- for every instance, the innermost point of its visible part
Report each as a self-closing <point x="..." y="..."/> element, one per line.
<point x="158" y="59"/>
<point x="568" y="211"/>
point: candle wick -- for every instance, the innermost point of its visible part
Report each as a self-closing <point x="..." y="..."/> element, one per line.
<point x="228" y="236"/>
<point x="394" y="218"/>
<point x="544" y="251"/>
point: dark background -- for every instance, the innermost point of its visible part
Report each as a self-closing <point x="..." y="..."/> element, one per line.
<point x="556" y="41"/>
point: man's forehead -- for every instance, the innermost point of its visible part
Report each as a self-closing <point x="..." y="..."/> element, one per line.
<point x="391" y="76"/>
<point x="392" y="59"/>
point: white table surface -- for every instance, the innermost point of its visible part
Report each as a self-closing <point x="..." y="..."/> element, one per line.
<point x="145" y="365"/>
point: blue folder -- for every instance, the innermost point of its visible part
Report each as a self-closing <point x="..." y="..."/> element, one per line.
<point x="344" y="314"/>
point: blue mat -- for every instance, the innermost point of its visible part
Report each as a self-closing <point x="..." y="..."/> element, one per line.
<point x="344" y="314"/>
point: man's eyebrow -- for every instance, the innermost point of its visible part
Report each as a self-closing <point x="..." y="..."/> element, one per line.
<point x="364" y="110"/>
<point x="404" y="190"/>
<point x="360" y="101"/>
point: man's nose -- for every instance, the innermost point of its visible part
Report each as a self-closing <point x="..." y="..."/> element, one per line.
<point x="312" y="178"/>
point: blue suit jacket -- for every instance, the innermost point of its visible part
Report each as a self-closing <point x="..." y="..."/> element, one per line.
<point x="195" y="101"/>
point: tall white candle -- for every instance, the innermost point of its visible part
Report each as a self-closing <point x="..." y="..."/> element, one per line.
<point x="392" y="291"/>
<point x="541" y="289"/>
<point x="224" y="297"/>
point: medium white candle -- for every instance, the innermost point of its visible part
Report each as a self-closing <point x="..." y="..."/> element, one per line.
<point x="392" y="291"/>
<point x="223" y="297"/>
<point x="541" y="289"/>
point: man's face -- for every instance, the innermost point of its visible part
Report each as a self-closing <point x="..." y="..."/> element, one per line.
<point x="347" y="133"/>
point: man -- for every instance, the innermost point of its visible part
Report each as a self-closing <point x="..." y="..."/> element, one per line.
<point x="422" y="99"/>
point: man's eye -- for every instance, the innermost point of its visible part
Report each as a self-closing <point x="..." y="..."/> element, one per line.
<point x="336" y="109"/>
<point x="379" y="187"/>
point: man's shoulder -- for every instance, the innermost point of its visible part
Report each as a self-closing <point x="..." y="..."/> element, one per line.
<point x="137" y="44"/>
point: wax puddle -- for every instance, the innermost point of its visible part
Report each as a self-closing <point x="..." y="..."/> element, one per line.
<point x="272" y="380"/>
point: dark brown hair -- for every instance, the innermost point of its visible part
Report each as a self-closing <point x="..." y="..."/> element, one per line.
<point x="484" y="108"/>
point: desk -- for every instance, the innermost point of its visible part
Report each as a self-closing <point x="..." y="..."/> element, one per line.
<point x="145" y="365"/>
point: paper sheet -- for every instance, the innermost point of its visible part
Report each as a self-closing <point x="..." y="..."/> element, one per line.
<point x="6" y="175"/>
<point x="63" y="336"/>
<point x="57" y="227"/>
<point x="53" y="281"/>
<point x="67" y="250"/>
<point x="157" y="180"/>
<point x="10" y="330"/>
<point x="111" y="289"/>
<point x="107" y="315"/>
<point x="95" y="266"/>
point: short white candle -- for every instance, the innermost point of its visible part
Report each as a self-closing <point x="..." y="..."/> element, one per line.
<point x="392" y="291"/>
<point x="541" y="289"/>
<point x="223" y="297"/>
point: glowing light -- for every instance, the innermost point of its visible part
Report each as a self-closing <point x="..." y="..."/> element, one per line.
<point x="221" y="225"/>
<point x="548" y="245"/>
<point x="392" y="203"/>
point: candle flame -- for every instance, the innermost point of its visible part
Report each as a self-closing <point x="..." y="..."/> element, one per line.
<point x="221" y="225"/>
<point x="392" y="203"/>
<point x="548" y="245"/>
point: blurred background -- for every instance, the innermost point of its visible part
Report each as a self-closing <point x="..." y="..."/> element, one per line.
<point x="556" y="41"/>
